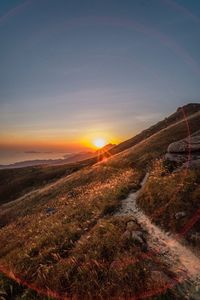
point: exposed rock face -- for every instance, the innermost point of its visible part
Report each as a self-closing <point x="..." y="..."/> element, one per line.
<point x="177" y="157"/>
<point x="189" y="144"/>
<point x="180" y="214"/>
<point x="192" y="163"/>
<point x="185" y="151"/>
<point x="136" y="234"/>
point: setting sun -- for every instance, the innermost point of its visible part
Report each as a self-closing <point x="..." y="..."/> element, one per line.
<point x="99" y="142"/>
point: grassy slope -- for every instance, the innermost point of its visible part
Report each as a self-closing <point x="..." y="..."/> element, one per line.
<point x="17" y="182"/>
<point x="75" y="242"/>
<point x="180" y="114"/>
<point x="167" y="193"/>
<point x="155" y="146"/>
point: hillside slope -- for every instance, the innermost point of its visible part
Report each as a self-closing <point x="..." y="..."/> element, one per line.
<point x="68" y="229"/>
<point x="17" y="182"/>
<point x="23" y="180"/>
<point x="181" y="113"/>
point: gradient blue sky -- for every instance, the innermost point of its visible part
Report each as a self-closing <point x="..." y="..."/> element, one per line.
<point x="73" y="70"/>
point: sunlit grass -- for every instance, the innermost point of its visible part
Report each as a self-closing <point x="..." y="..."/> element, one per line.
<point x="78" y="249"/>
<point x="167" y="193"/>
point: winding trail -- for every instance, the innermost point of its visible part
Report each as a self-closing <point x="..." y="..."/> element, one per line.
<point x="180" y="259"/>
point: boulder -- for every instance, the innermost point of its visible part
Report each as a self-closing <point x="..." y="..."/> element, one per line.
<point x="193" y="163"/>
<point x="185" y="152"/>
<point x="189" y="144"/>
<point x="138" y="238"/>
<point x="180" y="215"/>
<point x="175" y="157"/>
<point x="126" y="235"/>
<point x="135" y="234"/>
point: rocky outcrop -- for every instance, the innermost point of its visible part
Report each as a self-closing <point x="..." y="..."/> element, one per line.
<point x="189" y="144"/>
<point x="180" y="215"/>
<point x="136" y="234"/>
<point x="185" y="151"/>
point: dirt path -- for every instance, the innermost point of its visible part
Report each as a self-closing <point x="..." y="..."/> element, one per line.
<point x="180" y="259"/>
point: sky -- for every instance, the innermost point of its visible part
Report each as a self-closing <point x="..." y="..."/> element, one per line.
<point x="73" y="70"/>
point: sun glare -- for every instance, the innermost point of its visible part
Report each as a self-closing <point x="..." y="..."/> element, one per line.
<point x="99" y="142"/>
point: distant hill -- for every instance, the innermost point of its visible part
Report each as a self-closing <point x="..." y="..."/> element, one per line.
<point x="69" y="159"/>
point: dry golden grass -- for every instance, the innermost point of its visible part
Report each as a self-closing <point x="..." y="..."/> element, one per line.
<point x="166" y="194"/>
<point x="78" y="249"/>
<point x="17" y="182"/>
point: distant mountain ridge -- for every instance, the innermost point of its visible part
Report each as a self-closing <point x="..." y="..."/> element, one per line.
<point x="74" y="157"/>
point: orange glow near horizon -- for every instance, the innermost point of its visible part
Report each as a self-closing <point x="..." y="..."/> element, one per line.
<point x="92" y="140"/>
<point x="45" y="145"/>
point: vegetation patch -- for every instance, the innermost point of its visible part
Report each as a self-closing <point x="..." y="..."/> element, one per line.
<point x="172" y="199"/>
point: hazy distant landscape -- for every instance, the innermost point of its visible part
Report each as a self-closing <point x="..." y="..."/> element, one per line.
<point x="13" y="159"/>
